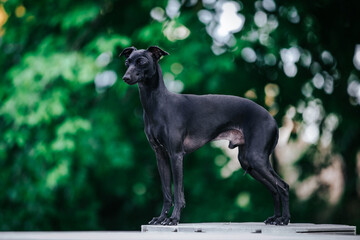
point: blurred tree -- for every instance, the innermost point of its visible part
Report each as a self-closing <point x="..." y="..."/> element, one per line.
<point x="73" y="154"/>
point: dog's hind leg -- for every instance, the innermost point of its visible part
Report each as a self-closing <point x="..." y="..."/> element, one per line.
<point x="264" y="173"/>
<point x="275" y="194"/>
<point x="256" y="175"/>
<point x="283" y="189"/>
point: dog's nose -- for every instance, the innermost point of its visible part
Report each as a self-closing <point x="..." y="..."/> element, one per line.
<point x="126" y="78"/>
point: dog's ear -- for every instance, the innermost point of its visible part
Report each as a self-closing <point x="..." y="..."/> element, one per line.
<point x="127" y="51"/>
<point x="157" y="52"/>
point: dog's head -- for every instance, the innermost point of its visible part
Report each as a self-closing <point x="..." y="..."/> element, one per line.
<point x="141" y="64"/>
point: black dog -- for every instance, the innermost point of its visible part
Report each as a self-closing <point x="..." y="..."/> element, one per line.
<point x="178" y="124"/>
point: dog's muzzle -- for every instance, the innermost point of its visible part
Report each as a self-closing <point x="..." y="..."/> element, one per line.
<point x="129" y="81"/>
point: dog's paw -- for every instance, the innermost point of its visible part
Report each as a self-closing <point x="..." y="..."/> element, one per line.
<point x="271" y="220"/>
<point x="282" y="221"/>
<point x="170" y="221"/>
<point x="157" y="220"/>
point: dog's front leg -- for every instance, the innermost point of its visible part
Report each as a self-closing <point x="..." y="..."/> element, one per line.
<point x="165" y="176"/>
<point x="177" y="171"/>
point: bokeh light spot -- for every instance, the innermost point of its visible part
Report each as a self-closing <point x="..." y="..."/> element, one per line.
<point x="269" y="5"/>
<point x="272" y="90"/>
<point x="356" y="58"/>
<point x="158" y="14"/>
<point x="243" y="200"/>
<point x="20" y="11"/>
<point x="270" y="59"/>
<point x="205" y="16"/>
<point x="248" y="54"/>
<point x="251" y="94"/>
<point x="139" y="189"/>
<point x="318" y="80"/>
<point x="176" y="68"/>
<point x="260" y="19"/>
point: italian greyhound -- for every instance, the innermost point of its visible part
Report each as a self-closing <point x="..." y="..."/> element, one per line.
<point x="178" y="124"/>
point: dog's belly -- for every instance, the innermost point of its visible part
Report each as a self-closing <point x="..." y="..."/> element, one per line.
<point x="234" y="136"/>
<point x="191" y="143"/>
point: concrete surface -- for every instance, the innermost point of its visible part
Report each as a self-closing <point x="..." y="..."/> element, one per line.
<point x="254" y="228"/>
<point x="165" y="236"/>
<point x="202" y="231"/>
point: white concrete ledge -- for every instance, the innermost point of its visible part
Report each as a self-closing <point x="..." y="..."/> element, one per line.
<point x="293" y="228"/>
<point x="106" y="235"/>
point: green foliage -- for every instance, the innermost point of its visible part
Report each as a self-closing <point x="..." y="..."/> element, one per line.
<point x="73" y="154"/>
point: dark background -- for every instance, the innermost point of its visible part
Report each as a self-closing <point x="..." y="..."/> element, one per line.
<point x="73" y="154"/>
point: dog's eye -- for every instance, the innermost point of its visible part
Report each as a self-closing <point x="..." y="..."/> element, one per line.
<point x="141" y="61"/>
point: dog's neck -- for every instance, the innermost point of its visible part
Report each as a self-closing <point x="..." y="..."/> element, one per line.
<point x="153" y="91"/>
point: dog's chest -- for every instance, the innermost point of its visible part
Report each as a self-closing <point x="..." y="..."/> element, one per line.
<point x="154" y="130"/>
